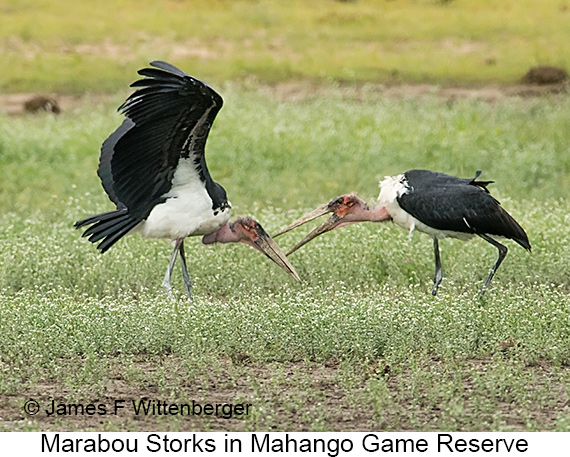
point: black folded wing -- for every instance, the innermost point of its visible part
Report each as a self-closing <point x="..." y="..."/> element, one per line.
<point x="446" y="202"/>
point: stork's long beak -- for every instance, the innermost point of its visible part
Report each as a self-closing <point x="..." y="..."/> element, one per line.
<point x="343" y="211"/>
<point x="346" y="209"/>
<point x="331" y="223"/>
<point x="265" y="244"/>
<point x="306" y="218"/>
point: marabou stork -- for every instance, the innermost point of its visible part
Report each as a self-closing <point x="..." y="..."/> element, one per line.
<point x="434" y="203"/>
<point x="153" y="169"/>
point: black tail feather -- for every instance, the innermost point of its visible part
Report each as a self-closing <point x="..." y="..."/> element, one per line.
<point x="522" y="238"/>
<point x="98" y="217"/>
<point x="103" y="229"/>
<point x="110" y="240"/>
<point x="110" y="227"/>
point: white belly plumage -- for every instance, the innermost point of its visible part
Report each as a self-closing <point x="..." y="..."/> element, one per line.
<point x="187" y="210"/>
<point x="393" y="187"/>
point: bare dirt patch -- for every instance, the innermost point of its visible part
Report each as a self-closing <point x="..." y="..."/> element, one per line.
<point x="284" y="397"/>
<point x="544" y="401"/>
<point x="14" y="104"/>
<point x="276" y="401"/>
<point x="302" y="90"/>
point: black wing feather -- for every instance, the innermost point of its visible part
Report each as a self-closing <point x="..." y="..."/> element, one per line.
<point x="446" y="202"/>
<point x="168" y="67"/>
<point x="105" y="171"/>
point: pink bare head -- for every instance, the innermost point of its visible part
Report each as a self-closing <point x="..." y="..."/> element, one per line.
<point x="248" y="231"/>
<point x="346" y="209"/>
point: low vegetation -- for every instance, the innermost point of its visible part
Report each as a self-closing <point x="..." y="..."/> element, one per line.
<point x="361" y="344"/>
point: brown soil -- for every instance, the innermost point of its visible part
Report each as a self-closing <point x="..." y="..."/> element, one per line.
<point x="14" y="104"/>
<point x="256" y="386"/>
<point x="298" y="91"/>
<point x="285" y="397"/>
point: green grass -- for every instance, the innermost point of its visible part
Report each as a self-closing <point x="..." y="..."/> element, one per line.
<point x="292" y="154"/>
<point x="90" y="46"/>
<point x="362" y="332"/>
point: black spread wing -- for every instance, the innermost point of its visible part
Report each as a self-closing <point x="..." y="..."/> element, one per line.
<point x="446" y="202"/>
<point x="168" y="118"/>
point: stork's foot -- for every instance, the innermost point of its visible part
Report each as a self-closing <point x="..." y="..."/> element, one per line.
<point x="188" y="285"/>
<point x="167" y="287"/>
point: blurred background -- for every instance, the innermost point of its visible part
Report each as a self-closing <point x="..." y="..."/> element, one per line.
<point x="353" y="90"/>
<point x="87" y="46"/>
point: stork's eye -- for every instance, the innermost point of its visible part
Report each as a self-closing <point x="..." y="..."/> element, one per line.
<point x="249" y="225"/>
<point x="349" y="201"/>
<point x="337" y="202"/>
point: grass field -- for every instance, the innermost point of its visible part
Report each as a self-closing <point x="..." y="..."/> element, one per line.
<point x="361" y="344"/>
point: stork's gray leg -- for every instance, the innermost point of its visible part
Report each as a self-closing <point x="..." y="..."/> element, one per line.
<point x="168" y="275"/>
<point x="502" y="254"/>
<point x="185" y="275"/>
<point x="438" y="271"/>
